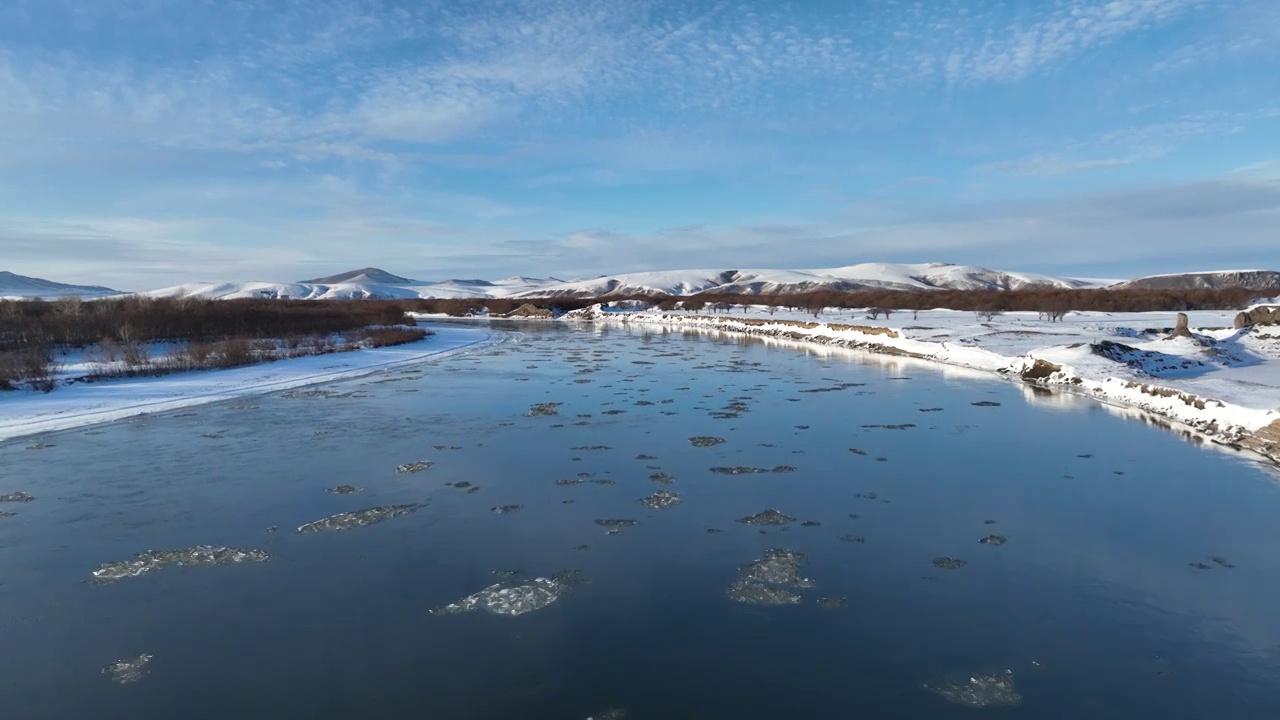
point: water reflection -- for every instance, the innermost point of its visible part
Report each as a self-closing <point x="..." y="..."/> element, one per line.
<point x="959" y="556"/>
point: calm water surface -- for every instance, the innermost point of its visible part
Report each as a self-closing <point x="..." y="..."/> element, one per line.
<point x="1093" y="605"/>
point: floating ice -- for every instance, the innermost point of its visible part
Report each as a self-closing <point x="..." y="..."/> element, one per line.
<point x="661" y="500"/>
<point x="740" y="470"/>
<point x="705" y="441"/>
<point x="358" y="518"/>
<point x="414" y="467"/>
<point x="543" y="409"/>
<point x="662" y="477"/>
<point x="129" y="670"/>
<point x="993" y="690"/>
<point x="994" y="540"/>
<point x="767" y="517"/>
<point x="150" y="560"/>
<point x="771" y="580"/>
<point x="516" y="598"/>
<point x="503" y="509"/>
<point x="19" y="496"/>
<point x="948" y="563"/>
<point x="344" y="490"/>
<point x="615" y="526"/>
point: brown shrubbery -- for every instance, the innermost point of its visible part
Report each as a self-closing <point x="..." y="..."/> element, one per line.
<point x="117" y="334"/>
<point x="76" y="323"/>
<point x="1049" y="301"/>
<point x="33" y="366"/>
<point x="1053" y="303"/>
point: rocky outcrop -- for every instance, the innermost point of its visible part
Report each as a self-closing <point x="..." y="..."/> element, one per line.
<point x="528" y="310"/>
<point x="1181" y="329"/>
<point x="1261" y="315"/>
<point x="1264" y="280"/>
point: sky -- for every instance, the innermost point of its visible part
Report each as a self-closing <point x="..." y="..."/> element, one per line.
<point x="145" y="143"/>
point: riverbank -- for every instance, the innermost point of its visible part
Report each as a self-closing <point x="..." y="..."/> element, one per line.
<point x="25" y="413"/>
<point x="1220" y="381"/>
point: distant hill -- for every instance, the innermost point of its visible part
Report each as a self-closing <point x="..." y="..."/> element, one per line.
<point x="376" y="283"/>
<point x="379" y="284"/>
<point x="369" y="275"/>
<point x="21" y="286"/>
<point x="866" y="276"/>
<point x="1261" y="280"/>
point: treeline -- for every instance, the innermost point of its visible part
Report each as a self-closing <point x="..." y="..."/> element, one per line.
<point x="1052" y="300"/>
<point x="1043" y="301"/>
<point x="501" y="306"/>
<point x="72" y="322"/>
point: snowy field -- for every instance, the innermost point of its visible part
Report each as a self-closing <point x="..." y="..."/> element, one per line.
<point x="28" y="412"/>
<point x="1222" y="381"/>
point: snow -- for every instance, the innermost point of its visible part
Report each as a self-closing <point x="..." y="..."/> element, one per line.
<point x="1224" y="383"/>
<point x="373" y="283"/>
<point x="18" y="287"/>
<point x="28" y="413"/>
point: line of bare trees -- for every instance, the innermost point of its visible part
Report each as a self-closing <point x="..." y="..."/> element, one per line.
<point x="76" y="323"/>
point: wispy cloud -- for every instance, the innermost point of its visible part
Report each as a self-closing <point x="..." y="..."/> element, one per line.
<point x="440" y="131"/>
<point x="1050" y="165"/>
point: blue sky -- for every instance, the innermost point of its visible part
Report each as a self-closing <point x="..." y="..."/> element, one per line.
<point x="150" y="142"/>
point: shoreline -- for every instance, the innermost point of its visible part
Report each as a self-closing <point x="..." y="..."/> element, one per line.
<point x="1252" y="430"/>
<point x="87" y="404"/>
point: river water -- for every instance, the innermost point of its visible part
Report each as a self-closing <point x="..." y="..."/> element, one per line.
<point x="1137" y="579"/>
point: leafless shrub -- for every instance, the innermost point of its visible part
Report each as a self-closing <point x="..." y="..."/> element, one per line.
<point x="386" y="336"/>
<point x="234" y="352"/>
<point x="33" y="366"/>
<point x="135" y="354"/>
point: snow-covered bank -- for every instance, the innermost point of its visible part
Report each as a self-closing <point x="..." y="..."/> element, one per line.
<point x="1223" y="382"/>
<point x="28" y="413"/>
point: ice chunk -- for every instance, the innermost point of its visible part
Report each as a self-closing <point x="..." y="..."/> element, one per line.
<point x="151" y="560"/>
<point x="993" y="690"/>
<point x="661" y="500"/>
<point x="771" y="580"/>
<point x="767" y="517"/>
<point x="414" y="467"/>
<point x="516" y="598"/>
<point x="129" y="670"/>
<point x="358" y="518"/>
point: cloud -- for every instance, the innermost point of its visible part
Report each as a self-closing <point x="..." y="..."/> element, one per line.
<point x="552" y="133"/>
<point x="1049" y="165"/>
<point x="1120" y="147"/>
<point x="1070" y="28"/>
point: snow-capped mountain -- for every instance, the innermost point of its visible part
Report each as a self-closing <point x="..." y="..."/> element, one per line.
<point x="1266" y="280"/>
<point x="867" y="276"/>
<point x="369" y="275"/>
<point x="13" y="285"/>
<point x="364" y="284"/>
<point x="379" y="284"/>
<point x="373" y="283"/>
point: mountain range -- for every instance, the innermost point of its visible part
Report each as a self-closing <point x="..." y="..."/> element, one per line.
<point x="21" y="286"/>
<point x="373" y="283"/>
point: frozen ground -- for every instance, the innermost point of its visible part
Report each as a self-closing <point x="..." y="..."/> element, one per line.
<point x="1221" y="381"/>
<point x="28" y="412"/>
